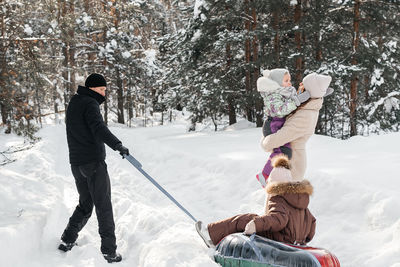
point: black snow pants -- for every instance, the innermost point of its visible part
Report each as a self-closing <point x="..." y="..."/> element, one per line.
<point x="93" y="184"/>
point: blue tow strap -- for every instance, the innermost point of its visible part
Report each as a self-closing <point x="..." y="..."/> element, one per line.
<point x="138" y="166"/>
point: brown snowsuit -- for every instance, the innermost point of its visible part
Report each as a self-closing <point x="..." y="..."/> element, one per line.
<point x="286" y="219"/>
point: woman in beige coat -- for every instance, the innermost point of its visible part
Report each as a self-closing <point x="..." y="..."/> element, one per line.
<point x="299" y="126"/>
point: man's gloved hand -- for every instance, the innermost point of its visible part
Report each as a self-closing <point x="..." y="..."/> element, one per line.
<point x="122" y="150"/>
<point x="250" y="228"/>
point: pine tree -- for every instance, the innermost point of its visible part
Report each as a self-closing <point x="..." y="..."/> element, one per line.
<point x="379" y="92"/>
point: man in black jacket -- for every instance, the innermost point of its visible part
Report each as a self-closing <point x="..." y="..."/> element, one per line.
<point x="86" y="135"/>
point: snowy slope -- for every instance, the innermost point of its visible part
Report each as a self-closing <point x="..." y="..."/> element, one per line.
<point x="356" y="199"/>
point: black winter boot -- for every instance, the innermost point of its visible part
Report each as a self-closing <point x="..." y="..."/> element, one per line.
<point x="114" y="257"/>
<point x="66" y="246"/>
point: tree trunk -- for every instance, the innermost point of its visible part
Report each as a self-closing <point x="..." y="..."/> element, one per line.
<point x="71" y="54"/>
<point x="318" y="57"/>
<point x="366" y="88"/>
<point x="4" y="114"/>
<point x="297" y="38"/>
<point x="215" y="123"/>
<point x="4" y="92"/>
<point x="231" y="110"/>
<point x="39" y="109"/>
<point x="256" y="73"/>
<point x="354" y="79"/>
<point x="91" y="38"/>
<point x="231" y="100"/>
<point x="275" y="26"/>
<point x="55" y="104"/>
<point x="65" y="75"/>
<point x="249" y="110"/>
<point x="120" y="96"/>
<point x="154" y="100"/>
<point x="3" y="73"/>
<point x="129" y="100"/>
<point x="66" y="72"/>
<point x="104" y="39"/>
<point x="318" y="48"/>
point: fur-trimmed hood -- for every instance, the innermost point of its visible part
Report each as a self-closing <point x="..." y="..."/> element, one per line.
<point x="297" y="194"/>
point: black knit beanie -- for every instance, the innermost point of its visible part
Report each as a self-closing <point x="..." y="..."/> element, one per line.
<point x="95" y="80"/>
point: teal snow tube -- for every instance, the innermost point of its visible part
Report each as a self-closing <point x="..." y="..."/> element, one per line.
<point x="239" y="250"/>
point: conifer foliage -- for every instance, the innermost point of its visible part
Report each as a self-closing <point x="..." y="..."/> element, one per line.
<point x="201" y="55"/>
<point x="227" y="44"/>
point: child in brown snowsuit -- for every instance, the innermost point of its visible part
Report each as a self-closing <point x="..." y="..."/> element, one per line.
<point x="286" y="219"/>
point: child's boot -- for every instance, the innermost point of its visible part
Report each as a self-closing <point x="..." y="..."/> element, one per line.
<point x="203" y="232"/>
<point x="262" y="178"/>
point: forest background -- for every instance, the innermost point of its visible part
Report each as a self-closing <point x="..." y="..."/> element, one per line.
<point x="202" y="56"/>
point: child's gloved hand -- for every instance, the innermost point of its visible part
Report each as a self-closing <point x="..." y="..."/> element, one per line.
<point x="250" y="228"/>
<point x="328" y="91"/>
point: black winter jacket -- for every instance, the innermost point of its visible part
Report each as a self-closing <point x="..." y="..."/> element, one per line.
<point x="86" y="130"/>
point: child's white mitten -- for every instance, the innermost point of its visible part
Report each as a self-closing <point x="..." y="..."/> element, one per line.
<point x="250" y="228"/>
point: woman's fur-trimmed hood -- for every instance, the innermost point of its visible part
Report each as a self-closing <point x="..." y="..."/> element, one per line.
<point x="297" y="194"/>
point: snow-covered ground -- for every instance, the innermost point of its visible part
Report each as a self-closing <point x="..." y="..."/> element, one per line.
<point x="212" y="174"/>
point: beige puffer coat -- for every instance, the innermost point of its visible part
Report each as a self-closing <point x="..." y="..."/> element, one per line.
<point x="297" y="129"/>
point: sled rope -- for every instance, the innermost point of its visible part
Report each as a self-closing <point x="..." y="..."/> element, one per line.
<point x="138" y="166"/>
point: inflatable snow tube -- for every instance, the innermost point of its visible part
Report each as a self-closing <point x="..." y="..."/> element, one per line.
<point x="239" y="250"/>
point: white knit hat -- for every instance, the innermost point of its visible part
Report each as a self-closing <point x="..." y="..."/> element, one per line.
<point x="316" y="84"/>
<point x="271" y="80"/>
<point x="281" y="171"/>
<point x="277" y="75"/>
